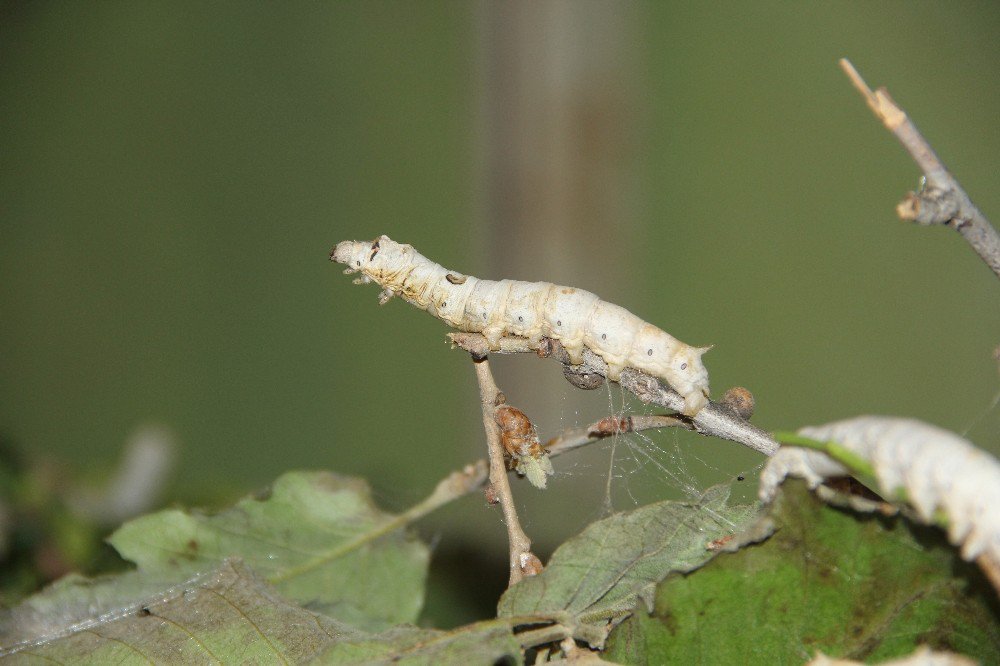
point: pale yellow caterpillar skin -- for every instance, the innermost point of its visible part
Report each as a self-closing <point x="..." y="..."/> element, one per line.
<point x="532" y="310"/>
<point x="943" y="476"/>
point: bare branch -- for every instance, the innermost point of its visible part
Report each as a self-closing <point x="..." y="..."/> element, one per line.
<point x="723" y="419"/>
<point x="716" y="420"/>
<point x="457" y="484"/>
<point x="575" y="438"/>
<point x="521" y="557"/>
<point x="942" y="201"/>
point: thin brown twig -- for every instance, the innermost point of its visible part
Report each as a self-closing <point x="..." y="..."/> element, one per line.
<point x="574" y="438"/>
<point x="943" y="201"/>
<point x="471" y="477"/>
<point x="720" y="420"/>
<point x="522" y="560"/>
<point x="490" y="397"/>
<point x="715" y="419"/>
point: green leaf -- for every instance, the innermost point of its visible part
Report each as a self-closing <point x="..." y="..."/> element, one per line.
<point x="230" y="616"/>
<point x="488" y="642"/>
<point x="599" y="576"/>
<point x="851" y="586"/>
<point x="226" y="616"/>
<point x="316" y="537"/>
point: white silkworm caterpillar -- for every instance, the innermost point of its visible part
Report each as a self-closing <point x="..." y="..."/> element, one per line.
<point x="937" y="469"/>
<point x="532" y="310"/>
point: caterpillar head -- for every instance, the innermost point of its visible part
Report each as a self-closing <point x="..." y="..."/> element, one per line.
<point x="690" y="378"/>
<point x="356" y="255"/>
<point x="376" y="260"/>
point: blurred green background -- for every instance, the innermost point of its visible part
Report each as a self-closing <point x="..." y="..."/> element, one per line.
<point x="175" y="173"/>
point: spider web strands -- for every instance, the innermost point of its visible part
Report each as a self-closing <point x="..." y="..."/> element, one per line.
<point x="678" y="463"/>
<point x="716" y="419"/>
<point x="982" y="416"/>
<point x="724" y="420"/>
<point x="640" y="461"/>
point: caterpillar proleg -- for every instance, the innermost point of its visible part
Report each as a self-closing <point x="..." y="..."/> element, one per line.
<point x="532" y="310"/>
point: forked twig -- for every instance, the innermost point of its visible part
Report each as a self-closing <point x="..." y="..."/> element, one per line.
<point x="716" y="420"/>
<point x="943" y="201"/>
<point x="520" y="545"/>
<point x="728" y="413"/>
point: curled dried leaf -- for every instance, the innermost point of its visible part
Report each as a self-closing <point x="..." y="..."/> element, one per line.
<point x="588" y="381"/>
<point x="520" y="442"/>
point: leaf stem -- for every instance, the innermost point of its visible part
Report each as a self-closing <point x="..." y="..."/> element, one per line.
<point x="856" y="465"/>
<point x="453" y="486"/>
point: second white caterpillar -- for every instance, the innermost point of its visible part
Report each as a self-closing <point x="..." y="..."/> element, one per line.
<point x="532" y="310"/>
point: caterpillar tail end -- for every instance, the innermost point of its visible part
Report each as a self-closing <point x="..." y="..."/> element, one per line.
<point x="694" y="403"/>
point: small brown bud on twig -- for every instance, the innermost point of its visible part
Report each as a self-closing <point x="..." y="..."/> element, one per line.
<point x="530" y="564"/>
<point x="740" y="401"/>
<point x="490" y="493"/>
<point x="517" y="434"/>
<point x="520" y="442"/>
<point x="545" y="348"/>
<point x="611" y="425"/>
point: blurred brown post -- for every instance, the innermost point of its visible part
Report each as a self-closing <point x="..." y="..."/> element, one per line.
<point x="561" y="104"/>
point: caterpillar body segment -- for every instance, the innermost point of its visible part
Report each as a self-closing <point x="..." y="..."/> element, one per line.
<point x="943" y="476"/>
<point x="534" y="310"/>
